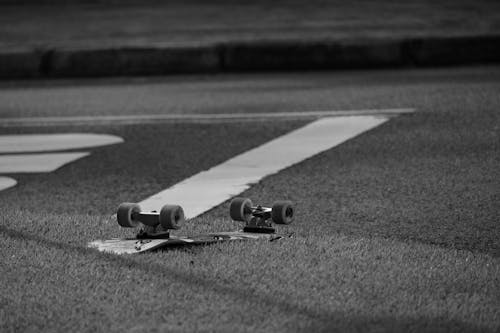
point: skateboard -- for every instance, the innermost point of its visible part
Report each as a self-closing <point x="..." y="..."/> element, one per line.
<point x="154" y="226"/>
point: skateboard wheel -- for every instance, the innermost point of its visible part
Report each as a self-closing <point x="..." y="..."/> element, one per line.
<point x="282" y="212"/>
<point x="125" y="213"/>
<point x="241" y="209"/>
<point x="171" y="217"/>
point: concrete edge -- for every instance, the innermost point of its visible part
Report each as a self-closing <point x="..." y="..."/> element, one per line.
<point x="20" y="64"/>
<point x="251" y="56"/>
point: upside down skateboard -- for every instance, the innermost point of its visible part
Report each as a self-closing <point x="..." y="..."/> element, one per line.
<point x="154" y="226"/>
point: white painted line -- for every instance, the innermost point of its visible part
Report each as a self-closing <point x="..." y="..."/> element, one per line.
<point x="210" y="188"/>
<point x="31" y="163"/>
<point x="6" y="182"/>
<point x="49" y="142"/>
<point x="191" y="118"/>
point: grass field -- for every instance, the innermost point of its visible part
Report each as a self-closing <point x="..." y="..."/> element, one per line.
<point x="395" y="230"/>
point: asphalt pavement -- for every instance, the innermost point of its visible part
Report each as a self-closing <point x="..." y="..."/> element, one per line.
<point x="235" y="93"/>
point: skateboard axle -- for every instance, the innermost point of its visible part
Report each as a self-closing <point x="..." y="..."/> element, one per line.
<point x="147" y="218"/>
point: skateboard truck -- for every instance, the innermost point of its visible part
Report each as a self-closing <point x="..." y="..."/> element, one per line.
<point x="259" y="219"/>
<point x="154" y="225"/>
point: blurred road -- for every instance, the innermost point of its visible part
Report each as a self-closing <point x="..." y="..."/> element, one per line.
<point x="83" y="38"/>
<point x="98" y="24"/>
<point x="243" y="93"/>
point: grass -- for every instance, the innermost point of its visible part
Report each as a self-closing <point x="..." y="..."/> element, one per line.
<point x="396" y="230"/>
<point x="307" y="283"/>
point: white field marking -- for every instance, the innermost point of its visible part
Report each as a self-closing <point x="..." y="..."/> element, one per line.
<point x="49" y="142"/>
<point x="6" y="182"/>
<point x="31" y="163"/>
<point x="212" y="187"/>
<point x="190" y="118"/>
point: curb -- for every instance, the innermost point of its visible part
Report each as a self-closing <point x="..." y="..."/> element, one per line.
<point x="20" y="64"/>
<point x="251" y="56"/>
<point x="302" y="55"/>
<point x="130" y="62"/>
<point x="454" y="51"/>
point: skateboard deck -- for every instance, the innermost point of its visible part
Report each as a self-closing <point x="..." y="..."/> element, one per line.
<point x="135" y="245"/>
